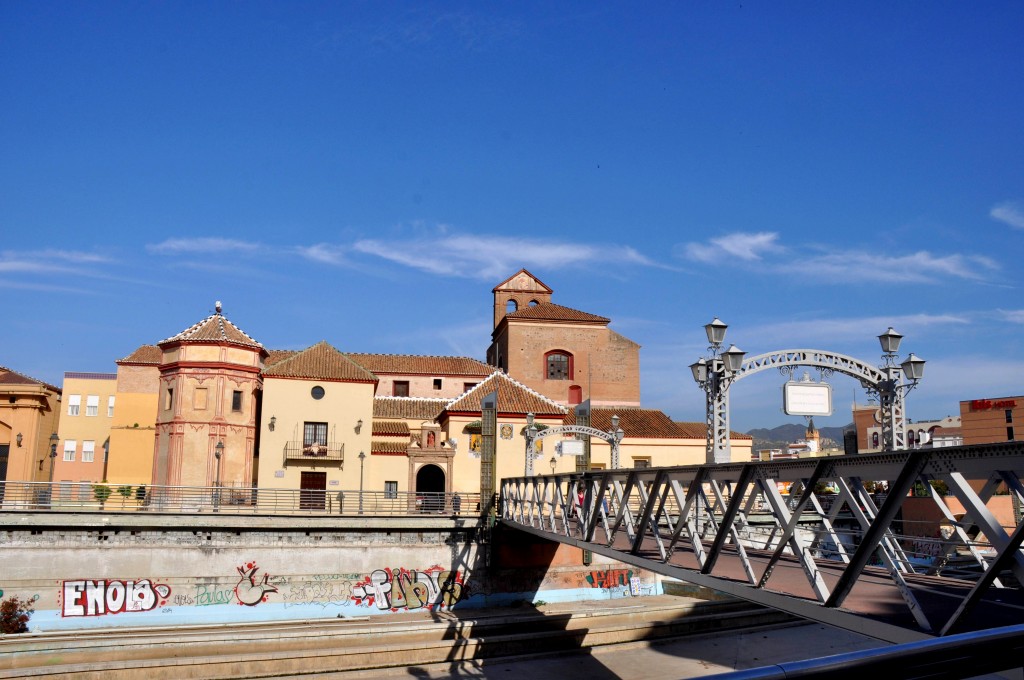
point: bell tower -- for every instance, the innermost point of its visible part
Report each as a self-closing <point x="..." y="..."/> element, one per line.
<point x="519" y="291"/>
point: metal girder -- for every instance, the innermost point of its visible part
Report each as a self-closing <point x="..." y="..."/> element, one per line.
<point x="703" y="515"/>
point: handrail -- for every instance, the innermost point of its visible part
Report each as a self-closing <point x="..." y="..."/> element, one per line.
<point x="954" y="656"/>
<point x="116" y="498"/>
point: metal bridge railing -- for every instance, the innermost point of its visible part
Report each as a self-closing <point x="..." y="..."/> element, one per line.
<point x="814" y="517"/>
<point x="112" y="498"/>
<point x="950" y="658"/>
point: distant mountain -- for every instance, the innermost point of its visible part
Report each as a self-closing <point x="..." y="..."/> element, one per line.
<point x="778" y="437"/>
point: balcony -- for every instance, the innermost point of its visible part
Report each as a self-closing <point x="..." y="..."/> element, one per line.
<point x="332" y="452"/>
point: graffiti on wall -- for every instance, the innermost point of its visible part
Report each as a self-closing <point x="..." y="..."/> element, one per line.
<point x="319" y="589"/>
<point x="87" y="597"/>
<point x="394" y="589"/>
<point x="609" y="578"/>
<point x="250" y="592"/>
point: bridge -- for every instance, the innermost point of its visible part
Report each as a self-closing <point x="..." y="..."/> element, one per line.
<point x="842" y="540"/>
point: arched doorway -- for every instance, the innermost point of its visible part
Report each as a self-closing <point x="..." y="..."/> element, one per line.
<point x="430" y="488"/>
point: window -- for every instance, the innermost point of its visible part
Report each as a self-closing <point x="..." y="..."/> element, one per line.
<point x="236" y="400"/>
<point x="1009" y="434"/>
<point x="92" y="405"/>
<point x="200" y="399"/>
<point x="110" y="407"/>
<point x="169" y="399"/>
<point x="910" y="437"/>
<point x="641" y="463"/>
<point x="88" y="451"/>
<point x="314" y="434"/>
<point x="317" y="392"/>
<point x="466" y="387"/>
<point x="70" y="445"/>
<point x="437" y="383"/>
<point x="874" y="440"/>
<point x="559" y="365"/>
<point x="400" y="388"/>
<point x="511" y="306"/>
<point x="390" y="489"/>
<point x="65" y="490"/>
<point x="74" y="404"/>
<point x="1009" y="415"/>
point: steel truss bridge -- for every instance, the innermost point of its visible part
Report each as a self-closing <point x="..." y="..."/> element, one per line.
<point x="832" y="549"/>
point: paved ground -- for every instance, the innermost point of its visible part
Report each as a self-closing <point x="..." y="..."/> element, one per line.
<point x="688" y="657"/>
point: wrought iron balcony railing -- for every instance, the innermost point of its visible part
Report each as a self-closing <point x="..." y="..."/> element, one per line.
<point x="313" y="453"/>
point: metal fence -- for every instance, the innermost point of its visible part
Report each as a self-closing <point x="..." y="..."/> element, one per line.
<point x="35" y="496"/>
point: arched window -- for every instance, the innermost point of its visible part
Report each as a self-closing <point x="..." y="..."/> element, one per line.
<point x="910" y="437"/>
<point x="534" y="303"/>
<point x="874" y="440"/>
<point x="558" y="365"/>
<point x="511" y="306"/>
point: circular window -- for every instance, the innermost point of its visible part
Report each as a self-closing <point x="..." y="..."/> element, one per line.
<point x="317" y="392"/>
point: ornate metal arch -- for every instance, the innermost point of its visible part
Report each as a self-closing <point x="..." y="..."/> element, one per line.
<point x="885" y="382"/>
<point x="868" y="375"/>
<point x="531" y="441"/>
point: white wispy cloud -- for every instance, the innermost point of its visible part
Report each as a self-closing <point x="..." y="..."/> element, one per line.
<point x="825" y="331"/>
<point x="206" y="245"/>
<point x="1012" y="315"/>
<point x="323" y="252"/>
<point x="744" y="246"/>
<point x="48" y="261"/>
<point x="919" y="267"/>
<point x="839" y="266"/>
<point x="1008" y="212"/>
<point x="488" y="257"/>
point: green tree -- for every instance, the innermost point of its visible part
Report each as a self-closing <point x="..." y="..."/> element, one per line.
<point x="101" y="492"/>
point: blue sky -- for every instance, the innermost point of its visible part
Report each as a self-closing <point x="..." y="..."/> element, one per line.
<point x="366" y="172"/>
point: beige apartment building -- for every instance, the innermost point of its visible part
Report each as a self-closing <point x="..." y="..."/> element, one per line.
<point x="89" y="405"/>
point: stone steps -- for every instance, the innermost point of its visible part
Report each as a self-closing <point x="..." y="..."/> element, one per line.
<point x="321" y="646"/>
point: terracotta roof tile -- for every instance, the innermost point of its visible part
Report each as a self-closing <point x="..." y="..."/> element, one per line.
<point x="320" y="362"/>
<point x="214" y="328"/>
<point x="409" y="408"/>
<point x="421" y="365"/>
<point x="549" y="311"/>
<point x="384" y="448"/>
<point x="147" y="354"/>
<point x="513" y="397"/>
<point x="634" y="422"/>
<point x="390" y="428"/>
<point x="276" y="355"/>
<point x="700" y="431"/>
<point x="9" y="377"/>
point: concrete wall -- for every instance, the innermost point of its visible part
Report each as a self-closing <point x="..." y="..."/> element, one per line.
<point x="146" y="571"/>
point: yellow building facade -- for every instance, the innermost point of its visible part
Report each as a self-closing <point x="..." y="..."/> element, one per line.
<point x="133" y="430"/>
<point x="29" y="416"/>
<point x="89" y="404"/>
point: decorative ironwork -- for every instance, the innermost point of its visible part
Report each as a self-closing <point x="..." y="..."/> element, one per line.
<point x="800" y="534"/>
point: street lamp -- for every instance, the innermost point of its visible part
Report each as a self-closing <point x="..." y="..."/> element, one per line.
<point x="616" y="437"/>
<point x="531" y="436"/>
<point x="53" y="453"/>
<point x="218" y="451"/>
<point x="362" y="457"/>
<point x="892" y="389"/>
<point x="715" y="374"/>
<point x="554" y="463"/>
